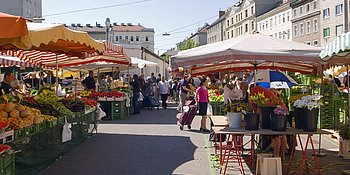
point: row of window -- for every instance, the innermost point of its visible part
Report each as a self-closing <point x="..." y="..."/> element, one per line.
<point x="31" y="12"/>
<point x="305" y="9"/>
<point x="338" y="11"/>
<point x="239" y="17"/>
<point x="315" y="43"/>
<point x="126" y="37"/>
<point x="283" y="35"/>
<point x="338" y="31"/>
<point x="239" y="30"/>
<point x="212" y="39"/>
<point x="214" y="28"/>
<point x="274" y="21"/>
<point x="300" y="29"/>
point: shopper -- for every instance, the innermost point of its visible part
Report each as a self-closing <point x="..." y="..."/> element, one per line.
<point x="135" y="83"/>
<point x="164" y="89"/>
<point x="228" y="92"/>
<point x="153" y="78"/>
<point x="171" y="93"/>
<point x="89" y="82"/>
<point x="159" y="78"/>
<point x="184" y="90"/>
<point x="5" y="84"/>
<point x="202" y="101"/>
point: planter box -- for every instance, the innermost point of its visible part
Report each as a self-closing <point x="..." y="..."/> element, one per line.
<point x="344" y="148"/>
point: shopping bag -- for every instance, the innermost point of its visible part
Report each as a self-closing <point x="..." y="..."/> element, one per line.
<point x="101" y="113"/>
<point x="66" y="132"/>
<point x="210" y="110"/>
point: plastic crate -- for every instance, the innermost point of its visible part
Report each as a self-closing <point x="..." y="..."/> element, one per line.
<point x="20" y="133"/>
<point x="41" y="127"/>
<point x="31" y="130"/>
<point x="9" y="170"/>
<point x="7" y="136"/>
<point x="7" y="159"/>
<point x="50" y="124"/>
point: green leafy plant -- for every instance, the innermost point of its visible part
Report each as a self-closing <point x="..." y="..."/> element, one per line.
<point x="235" y="106"/>
<point x="344" y="131"/>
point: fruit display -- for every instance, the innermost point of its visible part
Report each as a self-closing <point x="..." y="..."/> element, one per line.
<point x="90" y="102"/>
<point x="19" y="116"/>
<point x="85" y="93"/>
<point x="123" y="89"/>
<point x="73" y="104"/>
<point x="215" y="96"/>
<point x="115" y="94"/>
<point x="48" y="101"/>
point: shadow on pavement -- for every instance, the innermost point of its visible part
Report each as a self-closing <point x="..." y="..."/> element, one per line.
<point x="125" y="154"/>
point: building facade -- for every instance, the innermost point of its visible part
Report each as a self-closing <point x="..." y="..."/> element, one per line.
<point x="133" y="34"/>
<point x="27" y="8"/>
<point x="242" y="16"/>
<point x="331" y="20"/>
<point x="306" y="21"/>
<point x="216" y="29"/>
<point x="200" y="37"/>
<point x="277" y="22"/>
<point x="97" y="32"/>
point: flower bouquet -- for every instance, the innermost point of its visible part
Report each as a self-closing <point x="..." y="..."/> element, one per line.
<point x="279" y="119"/>
<point x="234" y="113"/>
<point x="307" y="111"/>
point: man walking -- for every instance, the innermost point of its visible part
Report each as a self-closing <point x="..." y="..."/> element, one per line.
<point x="135" y="83"/>
<point x="164" y="89"/>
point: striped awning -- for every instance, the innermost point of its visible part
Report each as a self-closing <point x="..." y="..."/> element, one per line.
<point x="6" y="61"/>
<point x="337" y="51"/>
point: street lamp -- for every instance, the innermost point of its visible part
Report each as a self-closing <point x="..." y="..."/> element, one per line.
<point x="108" y="23"/>
<point x="166" y="34"/>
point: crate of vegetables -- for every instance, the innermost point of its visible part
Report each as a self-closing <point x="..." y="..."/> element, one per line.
<point x="41" y="126"/>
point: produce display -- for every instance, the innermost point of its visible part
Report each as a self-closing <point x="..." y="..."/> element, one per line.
<point x="84" y="93"/>
<point x="90" y="102"/>
<point x="73" y="104"/>
<point x="125" y="89"/>
<point x="115" y="94"/>
<point x="215" y="96"/>
<point x="50" y="101"/>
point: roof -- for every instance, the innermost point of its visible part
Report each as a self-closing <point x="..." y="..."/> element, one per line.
<point x="132" y="28"/>
<point x="219" y="20"/>
<point x="203" y="29"/>
<point x="88" y="28"/>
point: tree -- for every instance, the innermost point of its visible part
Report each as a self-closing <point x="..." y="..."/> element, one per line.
<point x="188" y="44"/>
<point x="166" y="57"/>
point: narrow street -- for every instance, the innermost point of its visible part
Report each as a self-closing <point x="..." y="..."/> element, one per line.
<point x="148" y="143"/>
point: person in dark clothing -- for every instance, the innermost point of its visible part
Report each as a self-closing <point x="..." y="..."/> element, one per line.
<point x="153" y="78"/>
<point x="50" y="79"/>
<point x="135" y="83"/>
<point x="159" y="78"/>
<point x="5" y="85"/>
<point x="89" y="82"/>
<point x="336" y="80"/>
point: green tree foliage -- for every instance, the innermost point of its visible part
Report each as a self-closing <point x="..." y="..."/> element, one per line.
<point x="187" y="44"/>
<point x="166" y="57"/>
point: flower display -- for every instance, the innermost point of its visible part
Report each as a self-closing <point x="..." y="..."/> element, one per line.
<point x="234" y="106"/>
<point x="294" y="98"/>
<point x="215" y="96"/>
<point x="310" y="102"/>
<point x="280" y="111"/>
<point x="259" y="99"/>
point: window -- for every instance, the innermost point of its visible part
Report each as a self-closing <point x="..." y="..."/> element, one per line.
<point x="260" y="27"/>
<point x="267" y="24"/>
<point x="315" y="25"/>
<point x="120" y="37"/>
<point x="232" y="20"/>
<point x="246" y="13"/>
<point x="308" y="27"/>
<point x="137" y="38"/>
<point x="116" y="38"/>
<point x="295" y="30"/>
<point x="315" y="43"/>
<point x="307" y="8"/>
<point x="131" y="38"/>
<point x="246" y="28"/>
<point x="228" y="23"/>
<point x="253" y="26"/>
<point x="308" y="42"/>
<point x="279" y="19"/>
<point x="288" y="16"/>
<point x="283" y="35"/>
<point x="294" y="13"/>
<point x="339" y="30"/>
<point x="288" y="34"/>
<point x="301" y="28"/>
<point x="339" y="9"/>
<point x="126" y="37"/>
<point x="275" y="20"/>
<point x="271" y="22"/>
<point x="315" y="5"/>
<point x="146" y="38"/>
<point x="301" y="10"/>
<point x="276" y="35"/>
<point x="284" y="18"/>
<point x="231" y="33"/>
<point x="228" y="35"/>
<point x="252" y="9"/>
<point x="326" y="13"/>
<point x="326" y="32"/>
<point x="263" y="26"/>
<point x="279" y="35"/>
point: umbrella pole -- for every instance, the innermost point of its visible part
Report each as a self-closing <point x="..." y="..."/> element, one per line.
<point x="320" y="136"/>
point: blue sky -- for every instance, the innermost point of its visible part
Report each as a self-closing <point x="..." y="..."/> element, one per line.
<point x="162" y="15"/>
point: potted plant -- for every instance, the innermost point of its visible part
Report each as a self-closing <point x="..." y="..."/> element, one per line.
<point x="344" y="140"/>
<point x="298" y="112"/>
<point x="279" y="119"/>
<point x="266" y="106"/>
<point x="308" y="107"/>
<point x="234" y="113"/>
<point x="251" y="120"/>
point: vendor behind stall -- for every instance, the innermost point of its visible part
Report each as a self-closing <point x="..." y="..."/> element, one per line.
<point x="5" y="85"/>
<point x="89" y="82"/>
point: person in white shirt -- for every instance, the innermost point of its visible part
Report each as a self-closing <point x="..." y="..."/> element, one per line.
<point x="228" y="93"/>
<point x="238" y="93"/>
<point x="164" y="90"/>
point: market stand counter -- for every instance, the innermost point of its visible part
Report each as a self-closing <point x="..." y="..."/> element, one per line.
<point x="115" y="108"/>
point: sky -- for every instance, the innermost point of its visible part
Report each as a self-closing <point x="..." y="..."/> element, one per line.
<point x="179" y="18"/>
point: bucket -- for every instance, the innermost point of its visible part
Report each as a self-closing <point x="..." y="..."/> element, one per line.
<point x="234" y="119"/>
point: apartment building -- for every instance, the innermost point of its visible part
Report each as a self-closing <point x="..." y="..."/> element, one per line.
<point x="128" y="33"/>
<point x="242" y="16"/>
<point x="216" y="29"/>
<point x="277" y="22"/>
<point x="306" y="21"/>
<point x="27" y="8"/>
<point x="200" y="37"/>
<point x="97" y="32"/>
<point x="332" y="20"/>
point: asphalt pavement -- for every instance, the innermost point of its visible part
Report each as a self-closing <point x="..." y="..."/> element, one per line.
<point x="148" y="143"/>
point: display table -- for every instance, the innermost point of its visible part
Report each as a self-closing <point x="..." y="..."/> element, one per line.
<point x="233" y="134"/>
<point x="115" y="108"/>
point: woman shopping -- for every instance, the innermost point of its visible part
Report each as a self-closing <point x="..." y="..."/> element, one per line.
<point x="202" y="101"/>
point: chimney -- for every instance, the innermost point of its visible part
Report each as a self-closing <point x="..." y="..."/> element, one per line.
<point x="79" y="25"/>
<point x="98" y="25"/>
<point x="129" y="24"/>
<point x="139" y="24"/>
<point x="122" y="24"/>
<point x="115" y="24"/>
<point x="65" y="25"/>
<point x="88" y="25"/>
<point x="73" y="25"/>
<point x="221" y="13"/>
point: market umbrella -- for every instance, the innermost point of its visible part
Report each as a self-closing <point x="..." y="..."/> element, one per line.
<point x="12" y="27"/>
<point x="272" y="79"/>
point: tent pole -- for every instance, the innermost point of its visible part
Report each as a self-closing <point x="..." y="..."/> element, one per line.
<point x="320" y="93"/>
<point x="56" y="75"/>
<point x="255" y="66"/>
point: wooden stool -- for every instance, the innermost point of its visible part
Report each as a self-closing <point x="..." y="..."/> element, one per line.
<point x="266" y="164"/>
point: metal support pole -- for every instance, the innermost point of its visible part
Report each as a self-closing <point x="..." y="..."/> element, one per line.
<point x="320" y="136"/>
<point x="255" y="67"/>
<point x="56" y="75"/>
<point x="348" y="82"/>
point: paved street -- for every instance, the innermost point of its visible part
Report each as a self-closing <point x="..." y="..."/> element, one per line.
<point x="148" y="143"/>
